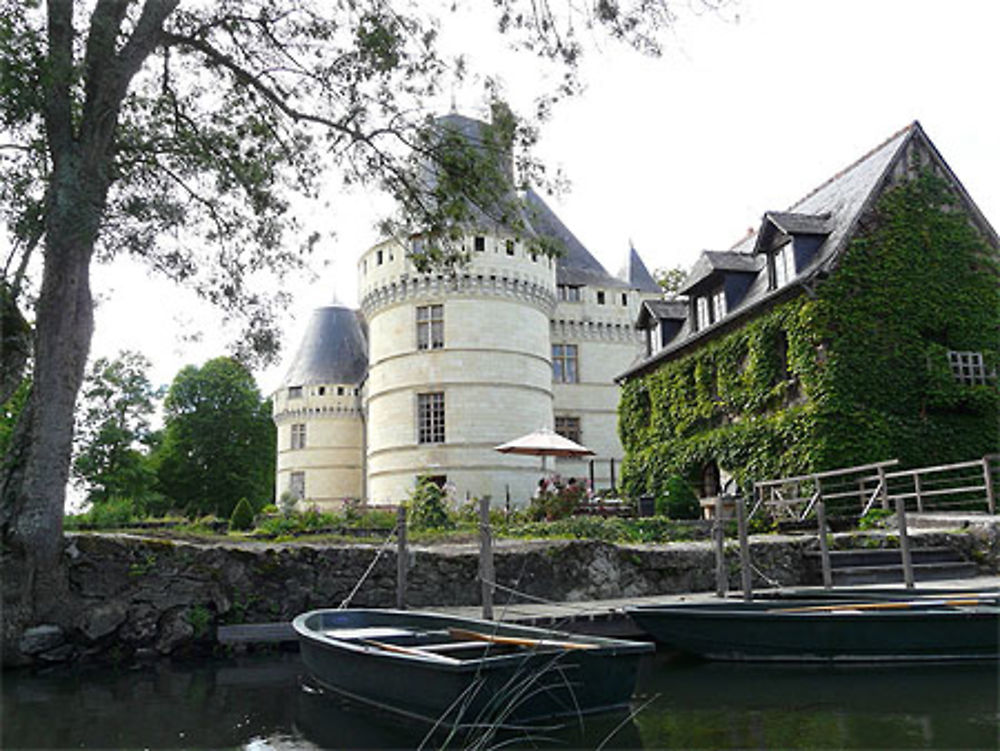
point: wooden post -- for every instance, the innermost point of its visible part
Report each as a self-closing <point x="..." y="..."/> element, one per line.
<point x="883" y="488"/>
<point x="991" y="501"/>
<point x="402" y="558"/>
<point x="721" y="579"/>
<point x="593" y="489"/>
<point x="916" y="489"/>
<point x="741" y="527"/>
<point x="612" y="474"/>
<point x="486" y="572"/>
<point x="904" y="543"/>
<point x="824" y="549"/>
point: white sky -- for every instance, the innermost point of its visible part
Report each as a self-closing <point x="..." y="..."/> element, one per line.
<point x="683" y="153"/>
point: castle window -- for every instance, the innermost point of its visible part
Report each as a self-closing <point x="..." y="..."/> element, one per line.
<point x="340" y="390"/>
<point x="569" y="427"/>
<point x="430" y="417"/>
<point x="968" y="368"/>
<point x="624" y="298"/>
<point x="378" y="257"/>
<point x="565" y="366"/>
<point x="479" y="243"/>
<point x="297" y="485"/>
<point x="430" y="326"/>
<point x="510" y="247"/>
<point x="600" y="297"/>
<point x="298" y="435"/>
<point x="321" y="391"/>
<point x="294" y="392"/>
<point x="568" y="293"/>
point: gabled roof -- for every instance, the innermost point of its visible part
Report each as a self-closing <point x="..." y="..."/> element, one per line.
<point x="635" y="274"/>
<point x="675" y="310"/>
<point x="832" y="211"/>
<point x="333" y="350"/>
<point x="711" y="261"/>
<point x="576" y="266"/>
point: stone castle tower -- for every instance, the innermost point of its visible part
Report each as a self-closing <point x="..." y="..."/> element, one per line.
<point x="435" y="370"/>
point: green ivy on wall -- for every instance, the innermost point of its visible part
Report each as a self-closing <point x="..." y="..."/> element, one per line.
<point x="857" y="373"/>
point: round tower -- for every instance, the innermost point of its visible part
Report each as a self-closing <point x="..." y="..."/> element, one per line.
<point x="458" y="364"/>
<point x="318" y="412"/>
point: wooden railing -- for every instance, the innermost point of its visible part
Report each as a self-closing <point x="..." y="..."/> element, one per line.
<point x="853" y="491"/>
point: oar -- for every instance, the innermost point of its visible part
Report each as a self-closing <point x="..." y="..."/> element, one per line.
<point x="879" y="605"/>
<point x="412" y="652"/>
<point x="461" y="633"/>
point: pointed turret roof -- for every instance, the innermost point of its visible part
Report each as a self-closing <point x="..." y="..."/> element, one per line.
<point x="635" y="274"/>
<point x="576" y="266"/>
<point x="333" y="349"/>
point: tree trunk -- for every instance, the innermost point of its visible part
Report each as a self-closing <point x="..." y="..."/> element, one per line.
<point x="33" y="482"/>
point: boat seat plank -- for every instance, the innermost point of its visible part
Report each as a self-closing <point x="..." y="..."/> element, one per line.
<point x="367" y="632"/>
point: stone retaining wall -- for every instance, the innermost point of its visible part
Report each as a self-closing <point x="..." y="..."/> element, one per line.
<point x="141" y="597"/>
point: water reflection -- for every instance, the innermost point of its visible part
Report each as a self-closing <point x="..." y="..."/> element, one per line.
<point x="263" y="703"/>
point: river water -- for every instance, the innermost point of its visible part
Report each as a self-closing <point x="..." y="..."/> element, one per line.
<point x="261" y="702"/>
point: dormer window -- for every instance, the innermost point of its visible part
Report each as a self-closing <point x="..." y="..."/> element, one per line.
<point x="479" y="243"/>
<point x="703" y="314"/>
<point x="509" y="245"/>
<point x="781" y="265"/>
<point x="718" y="304"/>
<point x="568" y="293"/>
<point x="294" y="392"/>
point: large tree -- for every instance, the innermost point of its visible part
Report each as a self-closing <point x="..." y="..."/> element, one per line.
<point x="113" y="429"/>
<point x="177" y="134"/>
<point x="218" y="440"/>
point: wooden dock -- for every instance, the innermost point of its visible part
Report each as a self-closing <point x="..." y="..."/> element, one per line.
<point x="595" y="617"/>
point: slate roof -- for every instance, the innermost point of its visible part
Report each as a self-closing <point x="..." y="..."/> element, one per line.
<point x="333" y="350"/>
<point x="576" y="266"/>
<point x="834" y="210"/>
<point x="662" y="309"/>
<point x="711" y="261"/>
<point x="635" y="274"/>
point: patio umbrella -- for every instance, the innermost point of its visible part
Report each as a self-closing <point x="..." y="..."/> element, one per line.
<point x="543" y="443"/>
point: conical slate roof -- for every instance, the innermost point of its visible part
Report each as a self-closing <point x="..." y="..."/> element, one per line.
<point x="576" y="266"/>
<point x="636" y="275"/>
<point x="333" y="350"/>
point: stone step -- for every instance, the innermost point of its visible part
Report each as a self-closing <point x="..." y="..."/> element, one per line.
<point x="885" y="574"/>
<point x="889" y="557"/>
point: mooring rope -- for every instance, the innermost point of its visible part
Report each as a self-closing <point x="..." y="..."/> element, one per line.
<point x="378" y="554"/>
<point x="540" y="600"/>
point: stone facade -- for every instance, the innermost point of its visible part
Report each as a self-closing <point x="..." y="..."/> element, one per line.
<point x="510" y="343"/>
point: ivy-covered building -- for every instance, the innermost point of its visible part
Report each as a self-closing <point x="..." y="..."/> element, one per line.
<point x="861" y="324"/>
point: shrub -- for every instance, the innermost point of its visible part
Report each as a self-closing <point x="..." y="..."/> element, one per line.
<point x="426" y="508"/>
<point x="242" y="517"/>
<point x="678" y="500"/>
<point x="113" y="513"/>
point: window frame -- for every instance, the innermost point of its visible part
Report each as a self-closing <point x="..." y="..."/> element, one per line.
<point x="297" y="436"/>
<point x="431" y="418"/>
<point x="297" y="484"/>
<point x="574" y="431"/>
<point x="569" y="292"/>
<point x="429" y="321"/>
<point x="565" y="363"/>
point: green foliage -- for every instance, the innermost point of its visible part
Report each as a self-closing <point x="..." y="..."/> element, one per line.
<point x="678" y="500"/>
<point x="426" y="508"/>
<point x="670" y="280"/>
<point x="200" y="619"/>
<point x="608" y="529"/>
<point x="874" y="518"/>
<point x="219" y="440"/>
<point x="9" y="413"/>
<point x="113" y="432"/>
<point x="112" y="513"/>
<point x="865" y="378"/>
<point x="242" y="517"/>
